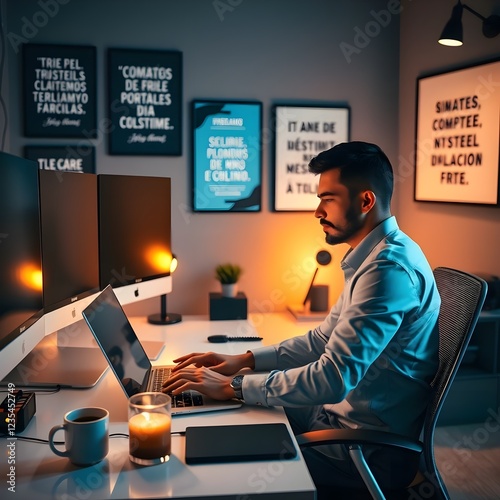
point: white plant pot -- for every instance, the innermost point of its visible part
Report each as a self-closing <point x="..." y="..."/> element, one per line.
<point x="229" y="290"/>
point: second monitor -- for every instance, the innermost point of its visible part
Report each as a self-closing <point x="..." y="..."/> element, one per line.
<point x="135" y="235"/>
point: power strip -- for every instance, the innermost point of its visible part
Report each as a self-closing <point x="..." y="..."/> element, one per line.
<point x="16" y="411"/>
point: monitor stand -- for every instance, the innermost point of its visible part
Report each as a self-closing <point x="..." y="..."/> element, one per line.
<point x="51" y="366"/>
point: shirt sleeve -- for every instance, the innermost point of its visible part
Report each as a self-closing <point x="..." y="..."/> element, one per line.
<point x="325" y="364"/>
<point x="296" y="351"/>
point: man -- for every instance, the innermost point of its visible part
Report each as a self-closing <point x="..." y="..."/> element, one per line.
<point x="370" y="362"/>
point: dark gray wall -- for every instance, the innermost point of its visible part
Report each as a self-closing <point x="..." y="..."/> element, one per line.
<point x="290" y="51"/>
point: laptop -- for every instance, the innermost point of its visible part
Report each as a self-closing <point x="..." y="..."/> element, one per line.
<point x="128" y="360"/>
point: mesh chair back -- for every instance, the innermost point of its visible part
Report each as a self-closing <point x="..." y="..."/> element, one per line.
<point x="462" y="297"/>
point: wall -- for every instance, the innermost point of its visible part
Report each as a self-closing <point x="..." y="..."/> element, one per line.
<point x="273" y="51"/>
<point x="455" y="235"/>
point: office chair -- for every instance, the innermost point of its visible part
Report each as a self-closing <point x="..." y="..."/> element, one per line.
<point x="462" y="297"/>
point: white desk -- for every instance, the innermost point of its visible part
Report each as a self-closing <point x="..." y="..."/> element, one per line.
<point x="40" y="474"/>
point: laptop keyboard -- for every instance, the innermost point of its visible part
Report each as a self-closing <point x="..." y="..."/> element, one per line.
<point x="182" y="400"/>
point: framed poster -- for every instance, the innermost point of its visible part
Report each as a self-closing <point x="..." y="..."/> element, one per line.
<point x="145" y="102"/>
<point x="300" y="133"/>
<point x="457" y="136"/>
<point x="63" y="158"/>
<point x="227" y="156"/>
<point x="59" y="91"/>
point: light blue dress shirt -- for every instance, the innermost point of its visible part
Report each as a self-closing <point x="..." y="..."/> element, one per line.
<point x="370" y="362"/>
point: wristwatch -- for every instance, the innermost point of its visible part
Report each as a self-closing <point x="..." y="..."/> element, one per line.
<point x="236" y="384"/>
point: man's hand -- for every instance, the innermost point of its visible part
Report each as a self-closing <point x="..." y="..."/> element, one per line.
<point x="225" y="364"/>
<point x="204" y="380"/>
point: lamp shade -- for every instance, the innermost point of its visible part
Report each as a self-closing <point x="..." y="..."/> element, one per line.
<point x="452" y="34"/>
<point x="173" y="263"/>
<point x="164" y="317"/>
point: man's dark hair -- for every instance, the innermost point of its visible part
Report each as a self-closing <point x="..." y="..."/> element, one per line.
<point x="362" y="166"/>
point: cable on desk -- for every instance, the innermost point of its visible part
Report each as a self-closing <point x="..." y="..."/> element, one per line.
<point x="46" y="441"/>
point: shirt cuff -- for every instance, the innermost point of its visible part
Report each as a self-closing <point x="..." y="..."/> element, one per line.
<point x="266" y="358"/>
<point x="253" y="389"/>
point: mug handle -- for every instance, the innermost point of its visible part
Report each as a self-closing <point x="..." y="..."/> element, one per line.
<point x="51" y="440"/>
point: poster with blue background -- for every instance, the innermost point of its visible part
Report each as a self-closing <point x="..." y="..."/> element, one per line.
<point x="227" y="156"/>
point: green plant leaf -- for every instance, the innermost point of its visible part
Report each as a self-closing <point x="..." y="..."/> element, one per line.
<point x="227" y="273"/>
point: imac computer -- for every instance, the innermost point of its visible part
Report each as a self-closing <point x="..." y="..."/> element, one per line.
<point x="21" y="315"/>
<point x="135" y="236"/>
<point x="70" y="245"/>
<point x="67" y="357"/>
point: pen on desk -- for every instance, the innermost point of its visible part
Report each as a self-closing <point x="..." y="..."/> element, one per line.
<point x="224" y="338"/>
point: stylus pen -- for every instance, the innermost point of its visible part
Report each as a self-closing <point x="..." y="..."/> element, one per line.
<point x="218" y="339"/>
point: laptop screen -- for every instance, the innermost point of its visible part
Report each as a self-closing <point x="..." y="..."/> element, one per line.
<point x="115" y="335"/>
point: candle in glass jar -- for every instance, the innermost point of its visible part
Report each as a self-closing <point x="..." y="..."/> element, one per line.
<point x="149" y="435"/>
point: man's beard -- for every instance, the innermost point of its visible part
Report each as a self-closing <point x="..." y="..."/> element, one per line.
<point x="352" y="225"/>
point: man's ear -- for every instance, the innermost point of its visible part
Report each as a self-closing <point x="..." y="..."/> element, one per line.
<point x="368" y="199"/>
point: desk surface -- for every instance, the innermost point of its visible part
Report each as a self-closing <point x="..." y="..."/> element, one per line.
<point x="40" y="474"/>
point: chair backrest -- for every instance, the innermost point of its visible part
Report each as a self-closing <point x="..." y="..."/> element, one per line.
<point x="462" y="298"/>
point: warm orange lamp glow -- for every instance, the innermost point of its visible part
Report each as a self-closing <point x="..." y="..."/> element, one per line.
<point x="30" y="276"/>
<point x="164" y="318"/>
<point x="162" y="260"/>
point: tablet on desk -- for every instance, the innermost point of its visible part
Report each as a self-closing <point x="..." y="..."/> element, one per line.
<point x="238" y="443"/>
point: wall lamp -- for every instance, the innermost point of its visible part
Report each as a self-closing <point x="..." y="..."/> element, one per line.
<point x="452" y="34"/>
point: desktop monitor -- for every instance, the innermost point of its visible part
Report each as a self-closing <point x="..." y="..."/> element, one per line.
<point x="70" y="246"/>
<point x="135" y="235"/>
<point x="21" y="304"/>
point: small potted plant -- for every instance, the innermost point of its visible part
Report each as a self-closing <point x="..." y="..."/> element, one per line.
<point x="228" y="276"/>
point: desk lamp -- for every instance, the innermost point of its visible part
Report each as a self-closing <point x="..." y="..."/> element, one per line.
<point x="164" y="318"/>
<point x="323" y="258"/>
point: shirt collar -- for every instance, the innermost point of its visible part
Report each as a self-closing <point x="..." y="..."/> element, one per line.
<point x="355" y="257"/>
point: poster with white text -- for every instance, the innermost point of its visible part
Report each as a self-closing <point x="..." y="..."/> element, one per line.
<point x="145" y="102"/>
<point x="59" y="91"/>
<point x="69" y="158"/>
<point x="227" y="156"/>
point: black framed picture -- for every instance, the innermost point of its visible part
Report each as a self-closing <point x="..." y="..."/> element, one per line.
<point x="457" y="154"/>
<point x="300" y="133"/>
<point x="227" y="156"/>
<point x="69" y="158"/>
<point x="59" y="91"/>
<point x="145" y="102"/>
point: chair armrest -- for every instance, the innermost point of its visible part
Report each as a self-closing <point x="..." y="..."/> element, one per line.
<point x="359" y="437"/>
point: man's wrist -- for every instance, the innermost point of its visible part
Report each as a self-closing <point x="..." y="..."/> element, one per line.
<point x="248" y="360"/>
<point x="237" y="386"/>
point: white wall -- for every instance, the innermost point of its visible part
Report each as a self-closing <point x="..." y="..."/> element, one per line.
<point x="287" y="51"/>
